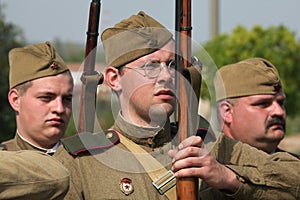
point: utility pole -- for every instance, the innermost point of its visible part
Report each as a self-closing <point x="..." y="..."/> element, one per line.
<point x="214" y="18"/>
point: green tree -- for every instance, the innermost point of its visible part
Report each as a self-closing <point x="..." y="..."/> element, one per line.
<point x="10" y="37"/>
<point x="277" y="44"/>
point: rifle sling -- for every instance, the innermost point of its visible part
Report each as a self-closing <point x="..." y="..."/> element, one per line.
<point x="150" y="164"/>
<point x="195" y="79"/>
<point x="90" y="87"/>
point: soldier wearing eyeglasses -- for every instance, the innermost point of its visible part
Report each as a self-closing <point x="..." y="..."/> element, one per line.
<point x="143" y="163"/>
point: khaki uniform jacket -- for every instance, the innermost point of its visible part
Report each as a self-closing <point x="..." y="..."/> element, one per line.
<point x="96" y="175"/>
<point x="74" y="190"/>
<point x="264" y="176"/>
<point x="32" y="175"/>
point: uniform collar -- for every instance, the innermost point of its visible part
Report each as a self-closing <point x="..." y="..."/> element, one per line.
<point x="148" y="136"/>
<point x="23" y="143"/>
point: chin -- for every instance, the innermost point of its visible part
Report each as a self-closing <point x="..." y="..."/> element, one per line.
<point x="169" y="109"/>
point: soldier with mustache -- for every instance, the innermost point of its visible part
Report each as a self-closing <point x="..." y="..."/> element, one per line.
<point x="252" y="108"/>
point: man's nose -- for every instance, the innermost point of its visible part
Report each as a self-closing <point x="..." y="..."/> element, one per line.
<point x="278" y="109"/>
<point x="59" y="106"/>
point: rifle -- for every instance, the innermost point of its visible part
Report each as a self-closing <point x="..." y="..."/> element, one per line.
<point x="90" y="78"/>
<point x="187" y="188"/>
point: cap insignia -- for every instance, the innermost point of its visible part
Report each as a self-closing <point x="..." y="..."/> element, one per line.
<point x="54" y="66"/>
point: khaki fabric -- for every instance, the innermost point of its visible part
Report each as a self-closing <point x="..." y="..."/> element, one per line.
<point x="267" y="177"/>
<point x="32" y="175"/>
<point x="74" y="190"/>
<point x="248" y="77"/>
<point x="275" y="176"/>
<point x="33" y="62"/>
<point x="132" y="38"/>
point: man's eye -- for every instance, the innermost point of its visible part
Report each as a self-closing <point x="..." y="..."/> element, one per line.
<point x="172" y="64"/>
<point x="45" y="98"/>
<point x="68" y="99"/>
<point x="152" y="65"/>
<point x="264" y="104"/>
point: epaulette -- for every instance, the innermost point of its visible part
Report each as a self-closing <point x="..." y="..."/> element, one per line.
<point x="3" y="147"/>
<point x="86" y="141"/>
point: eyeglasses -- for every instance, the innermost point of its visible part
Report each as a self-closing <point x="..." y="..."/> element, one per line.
<point x="152" y="69"/>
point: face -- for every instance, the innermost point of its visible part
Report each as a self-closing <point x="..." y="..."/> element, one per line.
<point x="258" y="120"/>
<point x="44" y="110"/>
<point x="147" y="101"/>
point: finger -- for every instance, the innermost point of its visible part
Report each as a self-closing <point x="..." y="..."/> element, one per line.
<point x="186" y="152"/>
<point x="187" y="163"/>
<point x="190" y="141"/>
<point x="189" y="172"/>
<point x="172" y="152"/>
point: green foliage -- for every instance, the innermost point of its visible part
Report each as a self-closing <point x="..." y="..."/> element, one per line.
<point x="277" y="44"/>
<point x="10" y="37"/>
<point x="70" y="52"/>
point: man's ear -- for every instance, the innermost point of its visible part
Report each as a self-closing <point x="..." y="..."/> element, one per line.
<point x="13" y="98"/>
<point x="225" y="111"/>
<point x="113" y="78"/>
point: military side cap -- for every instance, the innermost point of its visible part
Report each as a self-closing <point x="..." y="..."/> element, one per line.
<point x="132" y="38"/>
<point x="32" y="175"/>
<point x="33" y="62"/>
<point x="248" y="77"/>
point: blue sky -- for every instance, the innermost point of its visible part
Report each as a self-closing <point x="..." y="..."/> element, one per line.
<point x="43" y="20"/>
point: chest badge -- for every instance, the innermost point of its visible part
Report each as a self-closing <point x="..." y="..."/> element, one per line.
<point x="126" y="186"/>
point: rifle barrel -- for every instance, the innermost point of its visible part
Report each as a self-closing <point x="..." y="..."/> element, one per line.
<point x="187" y="188"/>
<point x="88" y="94"/>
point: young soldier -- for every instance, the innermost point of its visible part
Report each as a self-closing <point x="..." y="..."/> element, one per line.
<point x="41" y="90"/>
<point x="140" y="56"/>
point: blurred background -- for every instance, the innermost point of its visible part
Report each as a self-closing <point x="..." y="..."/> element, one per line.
<point x="227" y="30"/>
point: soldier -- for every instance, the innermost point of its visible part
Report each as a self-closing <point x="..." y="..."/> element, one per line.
<point x="252" y="108"/>
<point x="32" y="175"/>
<point x="41" y="90"/>
<point x="140" y="56"/>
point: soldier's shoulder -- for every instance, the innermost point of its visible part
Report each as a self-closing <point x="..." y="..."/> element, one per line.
<point x="293" y="154"/>
<point x="6" y="144"/>
<point x="86" y="141"/>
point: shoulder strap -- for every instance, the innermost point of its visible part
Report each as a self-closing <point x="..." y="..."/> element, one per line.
<point x="85" y="141"/>
<point x="193" y="74"/>
<point x="150" y="164"/>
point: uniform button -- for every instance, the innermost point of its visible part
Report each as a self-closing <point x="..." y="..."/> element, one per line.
<point x="109" y="135"/>
<point x="149" y="141"/>
<point x="256" y="179"/>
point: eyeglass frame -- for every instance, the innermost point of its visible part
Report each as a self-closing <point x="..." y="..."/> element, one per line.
<point x="160" y="67"/>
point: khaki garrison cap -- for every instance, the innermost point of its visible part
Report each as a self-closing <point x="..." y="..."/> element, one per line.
<point x="33" y="62"/>
<point x="32" y="175"/>
<point x="248" y="77"/>
<point x="132" y="38"/>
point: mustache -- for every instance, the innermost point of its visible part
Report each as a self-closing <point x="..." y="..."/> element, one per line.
<point x="276" y="121"/>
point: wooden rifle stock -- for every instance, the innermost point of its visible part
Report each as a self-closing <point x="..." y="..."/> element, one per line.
<point x="90" y="78"/>
<point x="187" y="188"/>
